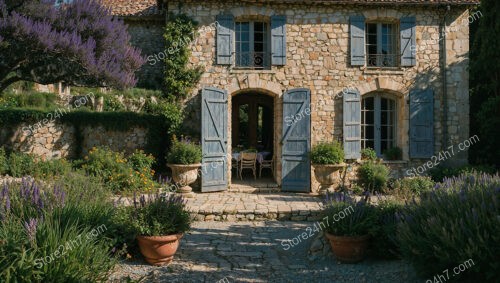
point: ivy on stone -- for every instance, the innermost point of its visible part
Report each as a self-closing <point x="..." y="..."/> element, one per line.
<point x="180" y="31"/>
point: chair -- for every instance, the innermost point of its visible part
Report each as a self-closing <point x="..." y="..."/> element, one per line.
<point x="267" y="164"/>
<point x="248" y="160"/>
<point x="235" y="165"/>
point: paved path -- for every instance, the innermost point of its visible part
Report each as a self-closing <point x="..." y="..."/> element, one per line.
<point x="253" y="252"/>
<point x="244" y="206"/>
<point x="234" y="206"/>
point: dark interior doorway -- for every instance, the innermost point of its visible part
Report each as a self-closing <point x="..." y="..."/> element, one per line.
<point x="253" y="121"/>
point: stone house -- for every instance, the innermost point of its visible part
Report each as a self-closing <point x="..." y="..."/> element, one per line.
<point x="282" y="76"/>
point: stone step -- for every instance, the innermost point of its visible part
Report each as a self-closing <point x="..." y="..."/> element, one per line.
<point x="258" y="216"/>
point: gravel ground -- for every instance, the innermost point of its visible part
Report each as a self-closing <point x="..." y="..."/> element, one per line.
<point x="252" y="252"/>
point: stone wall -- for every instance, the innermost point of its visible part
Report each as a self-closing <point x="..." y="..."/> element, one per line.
<point x="56" y="140"/>
<point x="318" y="58"/>
<point x="147" y="35"/>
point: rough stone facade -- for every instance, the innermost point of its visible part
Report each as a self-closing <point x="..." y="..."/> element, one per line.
<point x="55" y="140"/>
<point x="147" y="35"/>
<point x="318" y="58"/>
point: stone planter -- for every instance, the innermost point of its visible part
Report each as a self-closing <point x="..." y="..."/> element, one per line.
<point x="159" y="250"/>
<point x="326" y="175"/>
<point x="184" y="175"/>
<point x="348" y="249"/>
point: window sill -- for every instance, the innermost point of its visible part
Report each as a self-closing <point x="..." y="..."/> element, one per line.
<point x="250" y="71"/>
<point x="384" y="71"/>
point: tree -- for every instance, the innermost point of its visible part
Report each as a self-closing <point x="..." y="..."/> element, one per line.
<point x="485" y="83"/>
<point x="78" y="43"/>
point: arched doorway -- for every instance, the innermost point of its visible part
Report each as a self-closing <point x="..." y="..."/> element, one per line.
<point x="253" y="121"/>
<point x="253" y="127"/>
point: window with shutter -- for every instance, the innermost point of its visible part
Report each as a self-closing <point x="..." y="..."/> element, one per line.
<point x="225" y="34"/>
<point x="357" y="40"/>
<point x="378" y="122"/>
<point x="421" y="123"/>
<point x="278" y="40"/>
<point x="352" y="124"/>
<point x="408" y="41"/>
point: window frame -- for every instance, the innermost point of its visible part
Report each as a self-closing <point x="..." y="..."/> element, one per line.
<point x="396" y="56"/>
<point x="377" y="123"/>
<point x="266" y="42"/>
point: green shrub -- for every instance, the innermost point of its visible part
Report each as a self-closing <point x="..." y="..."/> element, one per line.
<point x="393" y="153"/>
<point x="29" y="99"/>
<point x="141" y="161"/>
<point x="440" y="172"/>
<point x="327" y="153"/>
<point x="184" y="152"/>
<point x="52" y="168"/>
<point x="368" y="154"/>
<point x="4" y="165"/>
<point x="21" y="164"/>
<point x="454" y="223"/>
<point x="118" y="173"/>
<point x="160" y="215"/>
<point x="407" y="188"/>
<point x="384" y="243"/>
<point x="112" y="104"/>
<point x="373" y="176"/>
<point x="171" y="112"/>
<point x="359" y="219"/>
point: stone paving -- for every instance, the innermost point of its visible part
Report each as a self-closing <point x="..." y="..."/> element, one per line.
<point x="216" y="251"/>
<point x="237" y="206"/>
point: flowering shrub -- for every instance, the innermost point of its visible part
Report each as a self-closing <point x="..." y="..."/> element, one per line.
<point x="45" y="232"/>
<point x="184" y="152"/>
<point x="121" y="174"/>
<point x="457" y="221"/>
<point x="160" y="215"/>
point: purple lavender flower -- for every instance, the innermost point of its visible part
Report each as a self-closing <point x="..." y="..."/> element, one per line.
<point x="30" y="228"/>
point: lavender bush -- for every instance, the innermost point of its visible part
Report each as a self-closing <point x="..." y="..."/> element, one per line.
<point x="45" y="232"/>
<point x="160" y="215"/>
<point x="355" y="218"/>
<point x="459" y="220"/>
<point x="79" y="43"/>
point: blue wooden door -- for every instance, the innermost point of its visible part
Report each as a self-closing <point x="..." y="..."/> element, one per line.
<point x="214" y="139"/>
<point x="296" y="141"/>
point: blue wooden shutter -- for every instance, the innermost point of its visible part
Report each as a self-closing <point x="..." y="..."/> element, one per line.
<point x="357" y="41"/>
<point x="408" y="40"/>
<point x="421" y="123"/>
<point x="278" y="40"/>
<point x="214" y="139"/>
<point x="296" y="141"/>
<point x="225" y="35"/>
<point x="352" y="124"/>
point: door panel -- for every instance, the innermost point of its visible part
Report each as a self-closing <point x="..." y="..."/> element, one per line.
<point x="296" y="142"/>
<point x="214" y="139"/>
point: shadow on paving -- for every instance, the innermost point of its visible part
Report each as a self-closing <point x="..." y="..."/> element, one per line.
<point x="255" y="252"/>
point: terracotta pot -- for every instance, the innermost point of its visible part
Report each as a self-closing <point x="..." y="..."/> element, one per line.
<point x="348" y="249"/>
<point x="184" y="175"/>
<point x="326" y="175"/>
<point x="159" y="250"/>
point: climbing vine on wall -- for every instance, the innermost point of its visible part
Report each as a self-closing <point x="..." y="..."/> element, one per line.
<point x="180" y="78"/>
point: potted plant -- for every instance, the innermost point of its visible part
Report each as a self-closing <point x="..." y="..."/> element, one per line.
<point x="327" y="159"/>
<point x="349" y="225"/>
<point x="160" y="222"/>
<point x="184" y="158"/>
<point x="368" y="154"/>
